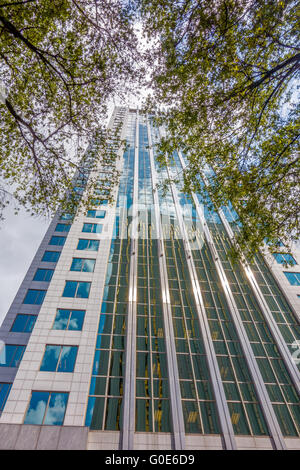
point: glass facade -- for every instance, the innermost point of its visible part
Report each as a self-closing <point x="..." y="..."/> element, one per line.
<point x="245" y="405"/>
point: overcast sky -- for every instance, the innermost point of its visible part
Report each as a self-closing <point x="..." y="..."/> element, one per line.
<point x="20" y="236"/>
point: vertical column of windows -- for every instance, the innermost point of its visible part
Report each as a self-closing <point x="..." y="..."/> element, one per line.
<point x="152" y="385"/>
<point x="282" y="392"/>
<point x="105" y="403"/>
<point x="198" y="402"/>
<point x="242" y="400"/>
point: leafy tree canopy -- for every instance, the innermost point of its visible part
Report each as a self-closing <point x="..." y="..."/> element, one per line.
<point x="60" y="63"/>
<point x="224" y="78"/>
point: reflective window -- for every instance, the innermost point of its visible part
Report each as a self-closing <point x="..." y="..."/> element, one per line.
<point x="11" y="355"/>
<point x="68" y="319"/>
<point x="92" y="228"/>
<point x="43" y="275"/>
<point x="51" y="256"/>
<point x="60" y="241"/>
<point x="284" y="258"/>
<point x="98" y="214"/>
<point x="47" y="408"/>
<point x="23" y="323"/>
<point x="66" y="217"/>
<point x="62" y="228"/>
<point x="77" y="289"/>
<point x="34" y="296"/>
<point x="83" y="265"/>
<point x="59" y="358"/>
<point x="293" y="278"/>
<point x="4" y="392"/>
<point x="90" y="245"/>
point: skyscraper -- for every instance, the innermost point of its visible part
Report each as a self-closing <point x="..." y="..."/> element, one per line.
<point x="133" y="329"/>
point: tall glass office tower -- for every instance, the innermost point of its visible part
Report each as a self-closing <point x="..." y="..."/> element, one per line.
<point x="133" y="329"/>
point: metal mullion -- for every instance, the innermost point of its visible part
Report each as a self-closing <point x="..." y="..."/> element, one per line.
<point x="130" y="373"/>
<point x="221" y="403"/>
<point x="176" y="411"/>
<point x="278" y="338"/>
<point x="46" y="409"/>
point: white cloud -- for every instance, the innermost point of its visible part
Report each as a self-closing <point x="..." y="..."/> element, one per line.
<point x="20" y="236"/>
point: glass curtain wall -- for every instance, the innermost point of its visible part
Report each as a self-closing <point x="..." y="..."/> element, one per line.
<point x="281" y="390"/>
<point x="105" y="401"/>
<point x="152" y="386"/>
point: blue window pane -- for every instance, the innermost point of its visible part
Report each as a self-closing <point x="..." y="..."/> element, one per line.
<point x="70" y="289"/>
<point x="67" y="359"/>
<point x="83" y="290"/>
<point x="56" y="409"/>
<point x="61" y="319"/>
<point x="55" y="240"/>
<point x="43" y="275"/>
<point x="37" y="407"/>
<point x="92" y="228"/>
<point x="94" y="245"/>
<point x="62" y="228"/>
<point x="30" y="323"/>
<point x="82" y="244"/>
<point x="88" y="265"/>
<point x="34" y="297"/>
<point x="293" y="278"/>
<point x="85" y="244"/>
<point x="76" y="264"/>
<point x="51" y="256"/>
<point x="24" y="323"/>
<point x="50" y="358"/>
<point x="290" y="259"/>
<point x="282" y="258"/>
<point x="76" y="320"/>
<point x="66" y="217"/>
<point x="99" y="214"/>
<point x="11" y="355"/>
<point x="4" y="392"/>
<point x="87" y="228"/>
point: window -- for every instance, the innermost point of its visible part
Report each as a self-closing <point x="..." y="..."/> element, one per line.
<point x="51" y="256"/>
<point x="11" y="355"/>
<point x="68" y="319"/>
<point x="62" y="227"/>
<point x="47" y="408"/>
<point x="83" y="265"/>
<point x="66" y="217"/>
<point x="284" y="258"/>
<point x="77" y="289"/>
<point x="85" y="244"/>
<point x="59" y="358"/>
<point x="293" y="278"/>
<point x="4" y="392"/>
<point x="43" y="275"/>
<point x="98" y="214"/>
<point x="23" y="323"/>
<point x="98" y="202"/>
<point x="57" y="241"/>
<point x="92" y="228"/>
<point x="34" y="296"/>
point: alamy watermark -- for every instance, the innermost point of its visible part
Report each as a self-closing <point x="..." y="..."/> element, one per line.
<point x="140" y="222"/>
